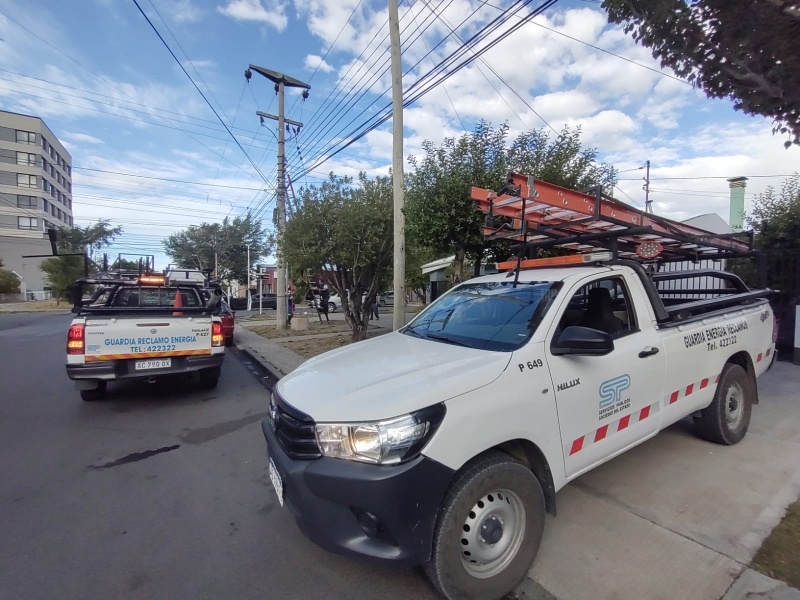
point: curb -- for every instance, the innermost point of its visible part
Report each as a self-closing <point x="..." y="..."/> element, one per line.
<point x="273" y="371"/>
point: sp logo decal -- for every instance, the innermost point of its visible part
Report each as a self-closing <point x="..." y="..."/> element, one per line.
<point x="764" y="316"/>
<point x="612" y="396"/>
<point x="611" y="390"/>
<point x="154" y="331"/>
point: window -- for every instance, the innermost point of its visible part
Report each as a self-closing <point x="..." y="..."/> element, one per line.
<point x="27" y="223"/>
<point x="53" y="209"/>
<point x="155" y="297"/>
<point x="604" y="305"/>
<point x="45" y="145"/>
<point x="45" y="185"/>
<point x="494" y="315"/>
<point x="26" y="158"/>
<point x="69" y="187"/>
<point x="44" y="165"/>
<point x="52" y="152"/>
<point x="45" y="206"/>
<point x="26" y="137"/>
<point x="26" y="201"/>
<point x="28" y="181"/>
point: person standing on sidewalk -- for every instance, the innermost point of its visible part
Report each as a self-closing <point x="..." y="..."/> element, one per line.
<point x="324" y="296"/>
<point x="373" y="309"/>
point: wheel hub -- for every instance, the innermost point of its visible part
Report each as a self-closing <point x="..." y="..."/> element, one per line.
<point x="492" y="533"/>
<point x="735" y="411"/>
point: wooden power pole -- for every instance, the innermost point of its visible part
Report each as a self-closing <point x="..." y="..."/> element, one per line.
<point x="397" y="171"/>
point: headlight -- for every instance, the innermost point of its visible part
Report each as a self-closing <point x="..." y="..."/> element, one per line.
<point x="381" y="442"/>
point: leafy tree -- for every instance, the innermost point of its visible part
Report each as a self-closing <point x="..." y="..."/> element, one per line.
<point x="125" y="264"/>
<point x="9" y="283"/>
<point x="343" y="229"/>
<point x="775" y="217"/>
<point x="416" y="282"/>
<point x="440" y="213"/>
<point x="224" y="244"/>
<point x="62" y="271"/>
<point x="744" y="51"/>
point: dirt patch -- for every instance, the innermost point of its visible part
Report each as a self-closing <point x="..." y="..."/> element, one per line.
<point x="314" y="347"/>
<point x="314" y="328"/>
<point x="778" y="556"/>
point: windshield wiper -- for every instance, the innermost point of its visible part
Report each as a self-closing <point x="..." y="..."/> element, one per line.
<point x="412" y="331"/>
<point x="448" y="339"/>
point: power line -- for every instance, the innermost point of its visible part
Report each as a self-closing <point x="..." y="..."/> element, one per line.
<point x="165" y="179"/>
<point x="426" y="85"/>
<point x="638" y="64"/>
<point x="712" y="177"/>
<point x="216" y="114"/>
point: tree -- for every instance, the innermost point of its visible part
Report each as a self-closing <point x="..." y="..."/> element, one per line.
<point x="744" y="50"/>
<point x="62" y="271"/>
<point x="123" y="264"/>
<point x="9" y="283"/>
<point x="775" y="217"/>
<point x="343" y="229"/>
<point x="440" y="213"/>
<point x="221" y="245"/>
<point x="416" y="282"/>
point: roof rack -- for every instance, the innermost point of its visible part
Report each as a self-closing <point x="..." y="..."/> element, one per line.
<point x="537" y="214"/>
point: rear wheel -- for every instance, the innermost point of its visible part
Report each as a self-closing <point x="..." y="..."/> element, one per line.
<point x="727" y="418"/>
<point x="331" y="307"/>
<point x="209" y="378"/>
<point x="96" y="394"/>
<point x="489" y="529"/>
<point x="229" y="341"/>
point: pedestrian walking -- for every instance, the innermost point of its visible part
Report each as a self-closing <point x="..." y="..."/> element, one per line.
<point x="373" y="309"/>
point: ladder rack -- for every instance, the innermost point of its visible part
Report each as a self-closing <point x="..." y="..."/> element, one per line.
<point x="537" y="214"/>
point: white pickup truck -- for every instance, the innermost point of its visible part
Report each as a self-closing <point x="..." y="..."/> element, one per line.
<point x="143" y="328"/>
<point x="444" y="443"/>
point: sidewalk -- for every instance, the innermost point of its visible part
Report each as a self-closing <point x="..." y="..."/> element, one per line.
<point x="674" y="518"/>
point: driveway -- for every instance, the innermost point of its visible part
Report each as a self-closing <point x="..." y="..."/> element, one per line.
<point x="677" y="517"/>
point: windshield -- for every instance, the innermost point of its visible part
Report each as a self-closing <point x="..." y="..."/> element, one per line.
<point x="492" y="315"/>
<point x="156" y="297"/>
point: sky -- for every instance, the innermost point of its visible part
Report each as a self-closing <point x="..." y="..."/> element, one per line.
<point x="150" y="154"/>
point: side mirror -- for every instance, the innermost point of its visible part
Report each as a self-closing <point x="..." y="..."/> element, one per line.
<point x="582" y="341"/>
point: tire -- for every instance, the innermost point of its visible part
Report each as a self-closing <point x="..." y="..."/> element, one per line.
<point x="229" y="341"/>
<point x="382" y="303"/>
<point x="331" y="307"/>
<point x="209" y="378"/>
<point x="726" y="419"/>
<point x="494" y="489"/>
<point x="96" y="394"/>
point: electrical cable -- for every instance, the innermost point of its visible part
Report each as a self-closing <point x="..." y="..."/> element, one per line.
<point x="163" y="41"/>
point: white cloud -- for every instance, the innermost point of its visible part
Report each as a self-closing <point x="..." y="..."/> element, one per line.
<point x="184" y="11"/>
<point x="84" y="138"/>
<point x="314" y="62"/>
<point x="254" y="10"/>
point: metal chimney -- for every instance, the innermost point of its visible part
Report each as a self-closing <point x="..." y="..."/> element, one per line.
<point x="737" y="186"/>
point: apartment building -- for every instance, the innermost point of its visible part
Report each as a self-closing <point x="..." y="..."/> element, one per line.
<point x="35" y="195"/>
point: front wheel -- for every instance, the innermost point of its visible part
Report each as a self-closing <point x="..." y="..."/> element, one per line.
<point x="331" y="307"/>
<point x="488" y="531"/>
<point x="727" y="418"/>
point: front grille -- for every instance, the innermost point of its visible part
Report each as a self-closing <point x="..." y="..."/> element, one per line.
<point x="294" y="430"/>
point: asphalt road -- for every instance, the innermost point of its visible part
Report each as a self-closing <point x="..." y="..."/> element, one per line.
<point x="160" y="491"/>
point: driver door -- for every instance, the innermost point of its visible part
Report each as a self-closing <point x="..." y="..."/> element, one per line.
<point x="606" y="403"/>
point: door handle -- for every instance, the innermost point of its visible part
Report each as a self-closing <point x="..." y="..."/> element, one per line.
<point x="648" y="351"/>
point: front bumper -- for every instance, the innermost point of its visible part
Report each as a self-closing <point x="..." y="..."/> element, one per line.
<point x="111" y="370"/>
<point x="329" y="497"/>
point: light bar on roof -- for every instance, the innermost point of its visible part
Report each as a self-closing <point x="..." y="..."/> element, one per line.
<point x="556" y="261"/>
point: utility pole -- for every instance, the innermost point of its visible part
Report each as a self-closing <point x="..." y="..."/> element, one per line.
<point x="281" y="81"/>
<point x="648" y="207"/>
<point x="249" y="298"/>
<point x="399" y="314"/>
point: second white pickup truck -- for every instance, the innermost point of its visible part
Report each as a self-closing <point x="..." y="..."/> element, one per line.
<point x="444" y="443"/>
<point x="143" y="327"/>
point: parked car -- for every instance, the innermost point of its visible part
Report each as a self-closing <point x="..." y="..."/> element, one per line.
<point x="334" y="302"/>
<point x="269" y="301"/>
<point x="386" y="299"/>
<point x="238" y="303"/>
<point x="228" y="322"/>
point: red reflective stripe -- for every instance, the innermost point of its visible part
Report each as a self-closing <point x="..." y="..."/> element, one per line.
<point x="623" y="422"/>
<point x="576" y="445"/>
<point x="760" y="356"/>
<point x="717" y="379"/>
<point x="674" y="397"/>
<point x="601" y="433"/>
<point x="644" y="413"/>
<point x="689" y="389"/>
<point x="704" y="384"/>
<point x="769" y="350"/>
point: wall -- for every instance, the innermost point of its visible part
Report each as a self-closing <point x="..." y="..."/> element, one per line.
<point x="11" y="251"/>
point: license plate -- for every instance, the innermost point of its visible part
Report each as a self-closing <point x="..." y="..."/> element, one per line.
<point x="153" y="363"/>
<point x="276" y="481"/>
